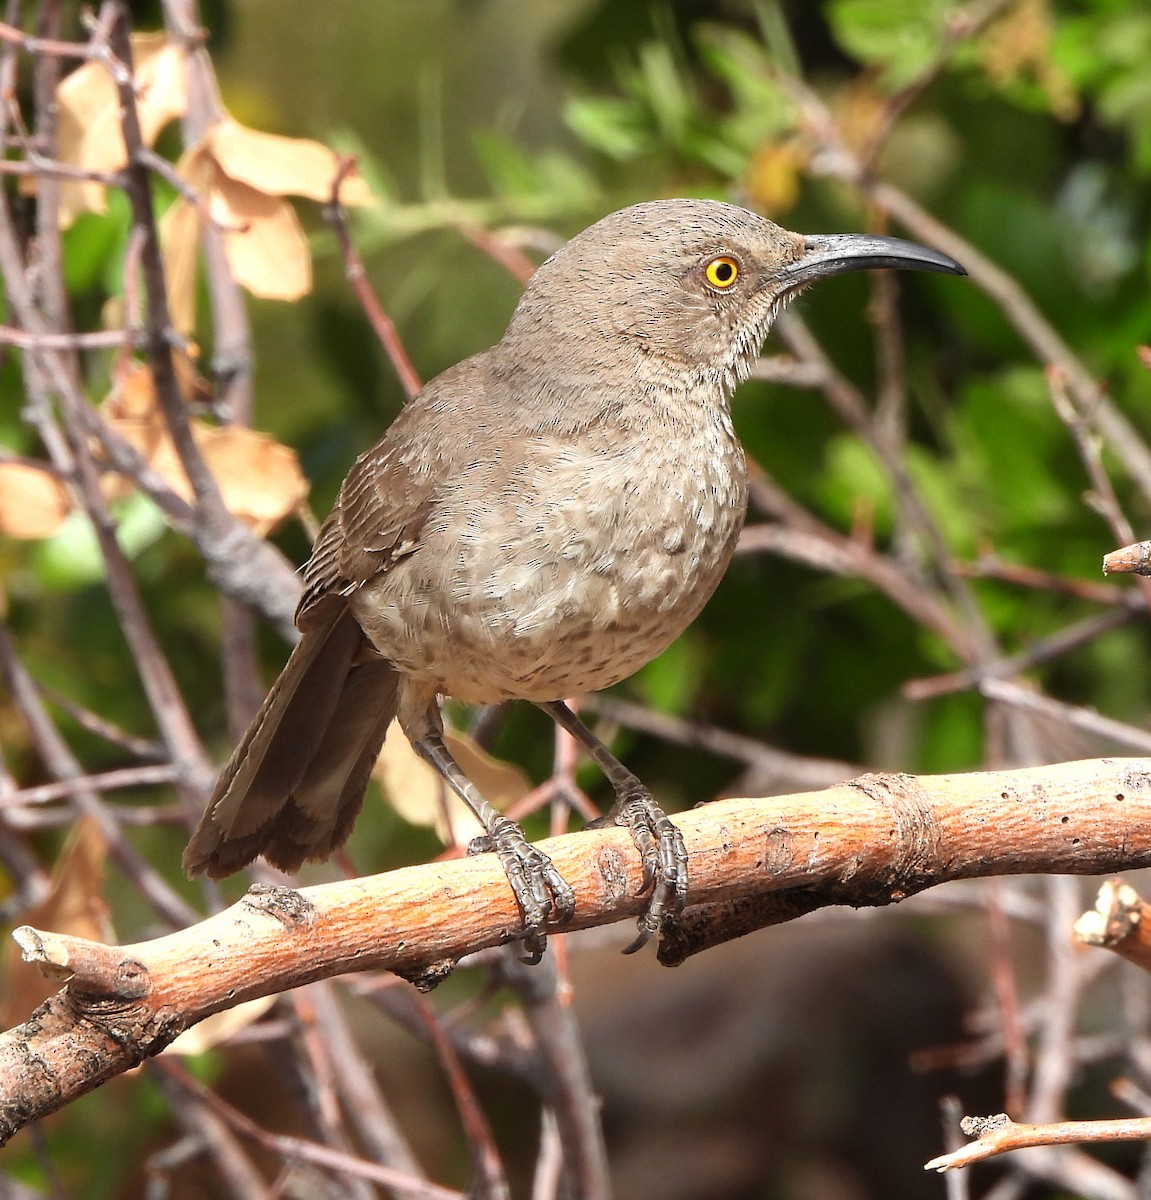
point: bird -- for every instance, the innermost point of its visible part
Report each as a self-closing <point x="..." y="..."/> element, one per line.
<point x="539" y="521"/>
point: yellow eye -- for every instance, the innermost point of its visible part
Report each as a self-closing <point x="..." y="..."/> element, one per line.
<point x="722" y="272"/>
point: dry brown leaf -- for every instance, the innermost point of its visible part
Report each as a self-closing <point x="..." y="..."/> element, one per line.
<point x="264" y="241"/>
<point x="90" y="134"/>
<point x="74" y="905"/>
<point x="180" y="229"/>
<point x="282" y="166"/>
<point x="242" y="174"/>
<point x="260" y="479"/>
<point x="33" y="502"/>
<point x="413" y="788"/>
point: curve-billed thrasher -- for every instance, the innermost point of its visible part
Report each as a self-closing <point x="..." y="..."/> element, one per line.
<point x="540" y="521"/>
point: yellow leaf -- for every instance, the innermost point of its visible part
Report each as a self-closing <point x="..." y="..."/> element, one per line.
<point x="416" y="792"/>
<point x="89" y="132"/>
<point x="774" y="177"/>
<point x="1019" y="43"/>
<point x="260" y="479"/>
<point x="33" y="502"/>
<point x="74" y="905"/>
<point x="180" y="230"/>
<point x="161" y="89"/>
<point x="263" y="240"/>
<point x="282" y="166"/>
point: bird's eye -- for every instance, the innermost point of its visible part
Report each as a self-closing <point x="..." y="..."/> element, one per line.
<point x="722" y="272"/>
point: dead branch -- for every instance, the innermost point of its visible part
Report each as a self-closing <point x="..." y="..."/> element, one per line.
<point x="1132" y="560"/>
<point x="873" y="841"/>
<point x="999" y="1134"/>
<point x="1120" y="921"/>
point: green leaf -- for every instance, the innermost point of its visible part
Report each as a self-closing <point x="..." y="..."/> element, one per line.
<point x="900" y="36"/>
<point x="616" y="127"/>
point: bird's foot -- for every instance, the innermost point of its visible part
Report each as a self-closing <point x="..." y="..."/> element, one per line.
<point x="664" y="855"/>
<point x="541" y="892"/>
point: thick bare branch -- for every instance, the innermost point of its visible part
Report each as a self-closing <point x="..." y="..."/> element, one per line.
<point x="873" y="841"/>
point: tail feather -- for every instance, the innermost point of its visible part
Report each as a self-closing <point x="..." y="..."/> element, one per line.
<point x="295" y="783"/>
<point x="327" y="800"/>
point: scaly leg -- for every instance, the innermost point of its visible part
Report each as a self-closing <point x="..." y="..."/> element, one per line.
<point x="540" y="890"/>
<point x="657" y="839"/>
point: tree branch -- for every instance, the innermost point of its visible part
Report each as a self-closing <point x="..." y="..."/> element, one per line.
<point x="873" y="841"/>
<point x="999" y="1134"/>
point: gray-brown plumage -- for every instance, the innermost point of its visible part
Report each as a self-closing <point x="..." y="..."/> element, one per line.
<point x="540" y="521"/>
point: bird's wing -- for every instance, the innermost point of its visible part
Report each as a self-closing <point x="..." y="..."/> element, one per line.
<point x="392" y="489"/>
<point x="378" y="518"/>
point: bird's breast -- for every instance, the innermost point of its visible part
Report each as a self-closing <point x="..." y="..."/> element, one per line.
<point x="587" y="557"/>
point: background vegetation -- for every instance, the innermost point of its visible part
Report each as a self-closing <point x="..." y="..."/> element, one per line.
<point x="943" y="465"/>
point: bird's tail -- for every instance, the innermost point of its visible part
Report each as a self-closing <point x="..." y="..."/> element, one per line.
<point x="296" y="781"/>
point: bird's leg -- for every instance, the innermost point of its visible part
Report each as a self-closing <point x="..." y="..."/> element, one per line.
<point x="540" y="890"/>
<point x="657" y="839"/>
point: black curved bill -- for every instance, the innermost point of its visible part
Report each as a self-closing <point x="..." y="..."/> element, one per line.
<point x="836" y="253"/>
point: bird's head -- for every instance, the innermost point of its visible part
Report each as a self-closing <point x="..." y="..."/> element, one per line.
<point x="692" y="285"/>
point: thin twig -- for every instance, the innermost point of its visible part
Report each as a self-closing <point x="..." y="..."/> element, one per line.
<point x="293" y="1149"/>
<point x="107" y="781"/>
<point x="383" y="325"/>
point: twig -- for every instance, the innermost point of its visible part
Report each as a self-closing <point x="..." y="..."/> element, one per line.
<point x="974" y="641"/>
<point x="356" y="275"/>
<point x="989" y="566"/>
<point x="566" y="1078"/>
<point x="1040" y="651"/>
<point x="313" y="1071"/>
<point x="209" y="1134"/>
<point x="835" y="160"/>
<point x="298" y="1149"/>
<point x="108" y="781"/>
<point x="1120" y="921"/>
<point x="359" y="1093"/>
<point x="158" y="322"/>
<point x="104" y="339"/>
<point x="237" y="560"/>
<point x="1087" y="720"/>
<point x="786" y="370"/>
<point x="131" y="816"/>
<point x="499" y="250"/>
<point x="962" y="25"/>
<point x="1066" y="977"/>
<point x="50" y="46"/>
<point x="829" y="550"/>
<point x="62" y="764"/>
<point x="492" y="1182"/>
<point x="999" y="1134"/>
<point x="1135" y="559"/>
<point x="37" y="166"/>
<point x="231" y="328"/>
<point x="771" y="764"/>
<point x="146" y="749"/>
<point x="1006" y="999"/>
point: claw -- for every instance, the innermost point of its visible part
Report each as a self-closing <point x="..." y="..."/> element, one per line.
<point x="664" y="857"/>
<point x="540" y="891"/>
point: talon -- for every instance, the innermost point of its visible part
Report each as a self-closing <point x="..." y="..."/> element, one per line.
<point x="646" y="928"/>
<point x="664" y="857"/>
<point x="540" y="891"/>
